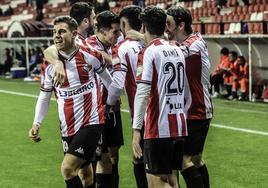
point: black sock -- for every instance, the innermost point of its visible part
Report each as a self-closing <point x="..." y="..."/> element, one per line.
<point x="104" y="180"/>
<point x="115" y="175"/>
<point x="140" y="176"/>
<point x="204" y="173"/>
<point x="74" y="182"/>
<point x="192" y="177"/>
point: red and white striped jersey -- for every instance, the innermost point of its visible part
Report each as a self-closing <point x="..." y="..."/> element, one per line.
<point x="162" y="65"/>
<point x="96" y="44"/>
<point x="79" y="99"/>
<point x="198" y="74"/>
<point x="80" y="40"/>
<point x="125" y="58"/>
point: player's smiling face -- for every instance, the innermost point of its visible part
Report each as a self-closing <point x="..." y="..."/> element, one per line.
<point x="63" y="37"/>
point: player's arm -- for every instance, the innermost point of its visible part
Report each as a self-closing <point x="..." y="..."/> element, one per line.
<point x="40" y="113"/>
<point x="51" y="55"/>
<point x="140" y="104"/>
<point x="43" y="100"/>
<point x="119" y="76"/>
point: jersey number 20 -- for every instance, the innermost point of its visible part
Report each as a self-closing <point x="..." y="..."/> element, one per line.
<point x="175" y="83"/>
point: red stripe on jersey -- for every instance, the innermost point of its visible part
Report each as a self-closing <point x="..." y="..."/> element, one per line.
<point x="100" y="109"/>
<point x="68" y="107"/>
<point x="130" y="85"/>
<point x="190" y="40"/>
<point x="173" y="125"/>
<point x="69" y="115"/>
<point x="140" y="64"/>
<point x="183" y="125"/>
<point x="87" y="108"/>
<point x="194" y="72"/>
<point x="82" y="68"/>
<point x="151" y="129"/>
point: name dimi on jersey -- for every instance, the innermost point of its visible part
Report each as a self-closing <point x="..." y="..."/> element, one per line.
<point x="162" y="65"/>
<point x="79" y="99"/>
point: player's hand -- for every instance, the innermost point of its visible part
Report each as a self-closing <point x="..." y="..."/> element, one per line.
<point x="137" y="151"/>
<point x="59" y="74"/>
<point x="135" y="35"/>
<point x="34" y="133"/>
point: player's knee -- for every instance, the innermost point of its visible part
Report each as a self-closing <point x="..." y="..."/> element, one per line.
<point x="86" y="176"/>
<point x="67" y="170"/>
<point x="104" y="166"/>
<point x="114" y="155"/>
<point x="197" y="160"/>
<point x="187" y="161"/>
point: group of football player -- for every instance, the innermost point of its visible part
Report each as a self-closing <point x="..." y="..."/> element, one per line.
<point x="164" y="68"/>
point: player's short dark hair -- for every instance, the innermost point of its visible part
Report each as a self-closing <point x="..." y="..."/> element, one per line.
<point x="106" y="18"/>
<point x="181" y="14"/>
<point x="233" y="53"/>
<point x="154" y="19"/>
<point x="224" y="51"/>
<point x="72" y="24"/>
<point x="80" y="10"/>
<point x="131" y="13"/>
<point x="242" y="58"/>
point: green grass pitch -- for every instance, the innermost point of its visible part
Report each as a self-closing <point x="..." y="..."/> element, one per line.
<point x="235" y="159"/>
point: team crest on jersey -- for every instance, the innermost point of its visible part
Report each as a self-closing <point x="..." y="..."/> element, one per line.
<point x="87" y="67"/>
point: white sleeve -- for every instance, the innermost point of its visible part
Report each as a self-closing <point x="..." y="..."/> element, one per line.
<point x="41" y="107"/>
<point x="140" y="104"/>
<point x="116" y="87"/>
<point x="106" y="78"/>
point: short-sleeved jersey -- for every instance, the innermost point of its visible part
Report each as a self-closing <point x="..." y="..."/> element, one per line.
<point x="79" y="99"/>
<point x="125" y="58"/>
<point x="198" y="74"/>
<point x="162" y="65"/>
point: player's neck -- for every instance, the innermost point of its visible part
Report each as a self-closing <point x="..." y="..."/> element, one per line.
<point x="102" y="40"/>
<point x="150" y="38"/>
<point x="69" y="52"/>
<point x="183" y="37"/>
<point x="81" y="32"/>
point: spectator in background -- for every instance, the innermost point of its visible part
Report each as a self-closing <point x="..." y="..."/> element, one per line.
<point x="101" y="5"/>
<point x="39" y="10"/>
<point x="1" y="12"/>
<point x="22" y="57"/>
<point x="217" y="75"/>
<point x="9" y="11"/>
<point x="234" y="70"/>
<point x="227" y="75"/>
<point x="8" y="62"/>
<point x="243" y="77"/>
<point x="29" y="3"/>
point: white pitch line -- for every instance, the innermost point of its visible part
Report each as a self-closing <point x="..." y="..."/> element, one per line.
<point x="240" y="129"/>
<point x="127" y="111"/>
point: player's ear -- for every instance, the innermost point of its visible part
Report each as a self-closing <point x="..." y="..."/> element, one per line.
<point x="74" y="32"/>
<point x="181" y="26"/>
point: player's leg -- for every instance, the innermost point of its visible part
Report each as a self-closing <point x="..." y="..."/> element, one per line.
<point x="190" y="173"/>
<point x="104" y="171"/>
<point x="78" y="152"/>
<point x="202" y="168"/>
<point x="86" y="175"/>
<point x="139" y="171"/>
<point x="107" y="168"/>
<point x="69" y="169"/>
